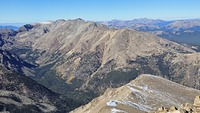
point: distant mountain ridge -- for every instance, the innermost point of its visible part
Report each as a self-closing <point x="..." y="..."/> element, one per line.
<point x="186" y="31"/>
<point x="142" y="21"/>
<point x="184" y="24"/>
<point x="13" y="26"/>
<point x="10" y="27"/>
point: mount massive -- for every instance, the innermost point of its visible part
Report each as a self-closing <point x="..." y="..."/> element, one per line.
<point x="81" y="59"/>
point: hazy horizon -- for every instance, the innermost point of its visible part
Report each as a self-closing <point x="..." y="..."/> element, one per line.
<point x="29" y="11"/>
<point x="18" y="24"/>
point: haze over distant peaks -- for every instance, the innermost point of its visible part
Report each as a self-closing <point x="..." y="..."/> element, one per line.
<point x="184" y="31"/>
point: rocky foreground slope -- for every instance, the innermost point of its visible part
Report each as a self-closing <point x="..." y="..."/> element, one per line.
<point x="184" y="108"/>
<point x="144" y="94"/>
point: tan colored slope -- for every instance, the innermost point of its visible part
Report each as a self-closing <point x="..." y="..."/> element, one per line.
<point x="190" y="65"/>
<point x="81" y="50"/>
<point x="78" y="36"/>
<point x="184" y="24"/>
<point x="144" y="94"/>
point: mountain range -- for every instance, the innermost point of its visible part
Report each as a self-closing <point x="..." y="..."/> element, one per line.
<point x="10" y="27"/>
<point x="80" y="60"/>
<point x="184" y="31"/>
<point x="14" y="26"/>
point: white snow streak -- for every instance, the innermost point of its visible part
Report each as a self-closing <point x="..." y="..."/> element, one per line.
<point x="114" y="110"/>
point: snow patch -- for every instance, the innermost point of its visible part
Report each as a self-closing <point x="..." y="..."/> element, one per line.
<point x="45" y="22"/>
<point x="137" y="106"/>
<point x="114" y="110"/>
<point x="143" y="88"/>
<point x="133" y="89"/>
<point x="114" y="103"/>
<point x="111" y="103"/>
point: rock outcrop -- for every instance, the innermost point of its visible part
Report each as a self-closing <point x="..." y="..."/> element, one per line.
<point x="26" y="27"/>
<point x="184" y="108"/>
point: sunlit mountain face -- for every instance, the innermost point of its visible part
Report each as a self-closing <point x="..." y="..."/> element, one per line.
<point x="72" y="62"/>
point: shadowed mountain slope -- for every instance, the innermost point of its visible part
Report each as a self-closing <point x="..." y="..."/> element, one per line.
<point x="20" y="94"/>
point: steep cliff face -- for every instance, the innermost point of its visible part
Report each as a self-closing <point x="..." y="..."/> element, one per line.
<point x="144" y="94"/>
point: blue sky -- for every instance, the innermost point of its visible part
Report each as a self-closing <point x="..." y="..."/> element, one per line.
<point x="12" y="11"/>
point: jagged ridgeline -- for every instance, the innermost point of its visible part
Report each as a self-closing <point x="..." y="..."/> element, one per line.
<point x="81" y="59"/>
